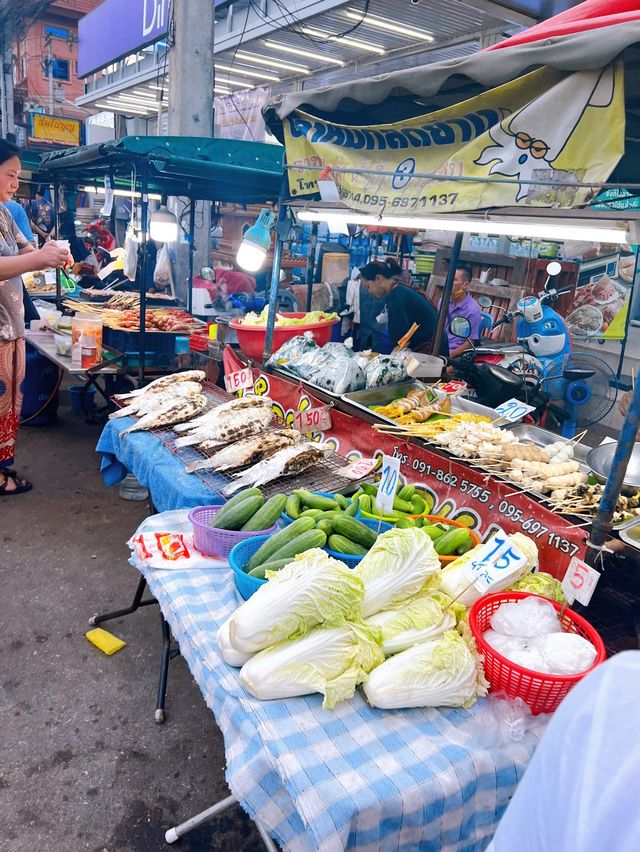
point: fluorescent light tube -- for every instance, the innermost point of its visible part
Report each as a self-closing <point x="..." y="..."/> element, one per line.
<point x="305" y="53"/>
<point x="348" y="42"/>
<point x="383" y="24"/>
<point x="248" y="72"/>
<point x="272" y="63"/>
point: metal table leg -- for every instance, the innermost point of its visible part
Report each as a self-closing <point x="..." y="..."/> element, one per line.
<point x="179" y="831"/>
<point x="168" y="654"/>
<point x="136" y="603"/>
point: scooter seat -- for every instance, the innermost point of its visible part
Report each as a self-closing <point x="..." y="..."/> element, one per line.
<point x="576" y="375"/>
<point x="505" y="376"/>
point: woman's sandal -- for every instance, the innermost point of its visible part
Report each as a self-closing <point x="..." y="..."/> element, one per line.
<point x="22" y="485"/>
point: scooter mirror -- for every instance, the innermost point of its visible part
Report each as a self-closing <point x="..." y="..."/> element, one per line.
<point x="460" y="327"/>
<point x="484" y="301"/>
<point x="553" y="268"/>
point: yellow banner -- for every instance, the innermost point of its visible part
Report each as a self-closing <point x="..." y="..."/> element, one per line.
<point x="545" y="126"/>
<point x="51" y="128"/>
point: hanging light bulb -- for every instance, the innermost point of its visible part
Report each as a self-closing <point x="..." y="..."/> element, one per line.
<point x="163" y="225"/>
<point x="256" y="242"/>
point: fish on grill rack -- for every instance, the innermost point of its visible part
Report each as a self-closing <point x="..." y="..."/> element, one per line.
<point x="161" y="384"/>
<point x="221" y="410"/>
<point x="247" y="451"/>
<point x="177" y="410"/>
<point x="146" y="403"/>
<point x="288" y="462"/>
<point x="229" y="426"/>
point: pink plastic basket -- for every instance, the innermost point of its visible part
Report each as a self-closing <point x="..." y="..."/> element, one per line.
<point x="214" y="542"/>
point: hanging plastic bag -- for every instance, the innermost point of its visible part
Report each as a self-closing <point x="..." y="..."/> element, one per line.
<point x="130" y="254"/>
<point x="162" y="272"/>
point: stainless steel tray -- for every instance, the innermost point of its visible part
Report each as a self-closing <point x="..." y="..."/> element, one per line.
<point x="387" y="393"/>
<point x="628" y="527"/>
<point x="542" y="438"/>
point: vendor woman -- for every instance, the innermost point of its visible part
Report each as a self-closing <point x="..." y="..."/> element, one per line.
<point x="404" y="305"/>
<point x="16" y="256"/>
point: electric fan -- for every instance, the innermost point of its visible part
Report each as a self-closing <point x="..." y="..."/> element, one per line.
<point x="581" y="389"/>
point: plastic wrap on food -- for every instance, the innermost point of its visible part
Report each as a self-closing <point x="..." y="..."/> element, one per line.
<point x="385" y="370"/>
<point x="344" y="376"/>
<point x="293" y="349"/>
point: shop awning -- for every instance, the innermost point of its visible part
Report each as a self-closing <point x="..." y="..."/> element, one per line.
<point x="214" y="169"/>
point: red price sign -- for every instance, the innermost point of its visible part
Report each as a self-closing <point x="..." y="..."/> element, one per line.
<point x="240" y="380"/>
<point x="453" y="387"/>
<point x="358" y="469"/>
<point x="579" y="582"/>
<point x="313" y="419"/>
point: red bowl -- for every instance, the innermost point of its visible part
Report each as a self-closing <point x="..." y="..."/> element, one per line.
<point x="251" y="338"/>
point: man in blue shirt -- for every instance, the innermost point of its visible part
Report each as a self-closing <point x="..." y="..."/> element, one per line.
<point x="463" y="305"/>
<point x="20" y="217"/>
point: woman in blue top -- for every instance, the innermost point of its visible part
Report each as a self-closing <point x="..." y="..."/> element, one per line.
<point x="404" y="305"/>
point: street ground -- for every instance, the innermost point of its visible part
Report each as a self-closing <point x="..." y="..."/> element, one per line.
<point x="84" y="766"/>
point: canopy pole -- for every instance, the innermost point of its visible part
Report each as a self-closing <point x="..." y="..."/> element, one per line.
<point x="311" y="263"/>
<point x="601" y="527"/>
<point x="627" y="321"/>
<point x="55" y="228"/>
<point x="275" y="271"/>
<point x="192" y="228"/>
<point x="144" y="205"/>
<point x="446" y="295"/>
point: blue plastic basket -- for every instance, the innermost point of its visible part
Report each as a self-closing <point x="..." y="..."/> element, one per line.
<point x="287" y="520"/>
<point x="352" y="561"/>
<point x="238" y="557"/>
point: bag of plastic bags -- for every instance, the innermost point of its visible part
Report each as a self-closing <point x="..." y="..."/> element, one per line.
<point x="162" y="272"/>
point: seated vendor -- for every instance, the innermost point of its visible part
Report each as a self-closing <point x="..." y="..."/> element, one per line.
<point x="463" y="305"/>
<point x="404" y="305"/>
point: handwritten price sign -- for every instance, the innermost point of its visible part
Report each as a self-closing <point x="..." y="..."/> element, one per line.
<point x="579" y="582"/>
<point x="388" y="481"/>
<point x="358" y="469"/>
<point x="496" y="564"/>
<point x="453" y="387"/>
<point x="513" y="410"/>
<point x="240" y="380"/>
<point x="313" y="419"/>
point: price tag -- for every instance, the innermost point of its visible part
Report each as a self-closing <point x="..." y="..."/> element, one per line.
<point x="579" y="582"/>
<point x="497" y="563"/>
<point x="240" y="380"/>
<point x="387" y="486"/>
<point x="358" y="469"/>
<point x="313" y="419"/>
<point x="513" y="410"/>
<point x="452" y="387"/>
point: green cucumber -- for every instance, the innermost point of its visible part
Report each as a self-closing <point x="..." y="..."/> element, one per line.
<point x="230" y="505"/>
<point x="316" y="501"/>
<point x="323" y="516"/>
<point x="402" y="506"/>
<point x="311" y="513"/>
<point x="366" y="504"/>
<point x="405" y="523"/>
<point x="267" y="515"/>
<point x="326" y="526"/>
<point x="277" y="540"/>
<point x="447" y="544"/>
<point x="275" y="565"/>
<point x="301" y="543"/>
<point x="240" y="514"/>
<point x="432" y="531"/>
<point x="341" y="500"/>
<point x="292" y="506"/>
<point x="340" y="544"/>
<point x="369" y="489"/>
<point x="407" y="492"/>
<point x="352" y="508"/>
<point x="354" y="530"/>
<point x="418" y="505"/>
<point x="465" y="548"/>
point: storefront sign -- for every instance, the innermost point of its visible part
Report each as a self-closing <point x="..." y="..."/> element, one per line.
<point x="53" y="128"/>
<point x="538" y="127"/>
<point x="455" y="490"/>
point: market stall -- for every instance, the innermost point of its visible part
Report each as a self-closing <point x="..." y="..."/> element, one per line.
<point x="210" y="170"/>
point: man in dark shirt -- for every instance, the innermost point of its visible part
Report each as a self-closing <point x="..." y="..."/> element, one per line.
<point x="404" y="305"/>
<point x="41" y="215"/>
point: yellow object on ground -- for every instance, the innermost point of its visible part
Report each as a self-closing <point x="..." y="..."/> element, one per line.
<point x="107" y="642"/>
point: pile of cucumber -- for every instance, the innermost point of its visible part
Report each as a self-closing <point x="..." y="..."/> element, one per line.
<point x="447" y="540"/>
<point x="249" y="511"/>
<point x="335" y="516"/>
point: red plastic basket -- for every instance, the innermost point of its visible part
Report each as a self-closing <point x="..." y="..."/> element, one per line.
<point x="214" y="542"/>
<point x="542" y="692"/>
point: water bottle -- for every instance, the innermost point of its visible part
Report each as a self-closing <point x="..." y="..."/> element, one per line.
<point x="130" y="489"/>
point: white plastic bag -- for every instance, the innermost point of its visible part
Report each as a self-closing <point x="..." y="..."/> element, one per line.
<point x="130" y="254"/>
<point x="162" y="272"/>
<point x="526" y="618"/>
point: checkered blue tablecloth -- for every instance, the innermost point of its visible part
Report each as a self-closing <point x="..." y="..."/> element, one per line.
<point x="348" y="778"/>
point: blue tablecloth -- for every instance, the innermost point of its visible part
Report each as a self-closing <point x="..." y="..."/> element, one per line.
<point x="348" y="778"/>
<point x="153" y="465"/>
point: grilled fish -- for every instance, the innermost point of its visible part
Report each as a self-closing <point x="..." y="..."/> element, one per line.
<point x="176" y="411"/>
<point x="145" y="404"/>
<point x="247" y="451"/>
<point x="232" y="405"/>
<point x="287" y="462"/>
<point x="227" y="427"/>
<point x="164" y="382"/>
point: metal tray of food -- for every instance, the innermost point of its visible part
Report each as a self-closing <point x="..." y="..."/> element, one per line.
<point x="543" y="438"/>
<point x="630" y="533"/>
<point x="387" y="393"/>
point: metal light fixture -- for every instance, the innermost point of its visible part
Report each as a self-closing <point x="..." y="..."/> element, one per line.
<point x="307" y="54"/>
<point x="256" y="242"/>
<point x="163" y="225"/>
<point x="347" y="42"/>
<point x="412" y="33"/>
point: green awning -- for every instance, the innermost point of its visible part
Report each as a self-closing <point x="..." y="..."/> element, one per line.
<point x="201" y="168"/>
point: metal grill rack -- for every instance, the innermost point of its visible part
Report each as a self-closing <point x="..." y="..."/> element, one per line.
<point x="322" y="476"/>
